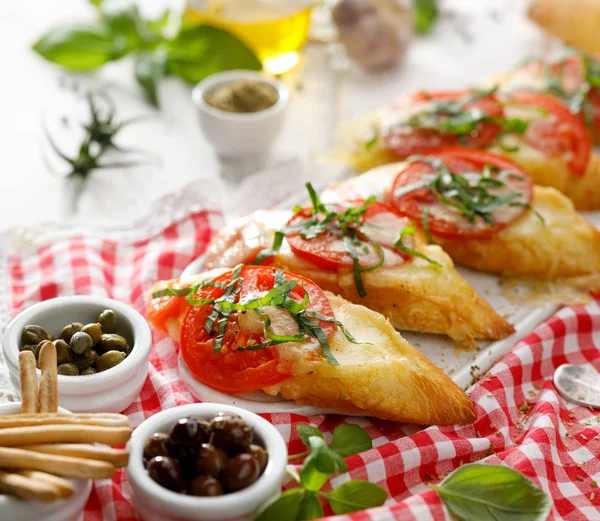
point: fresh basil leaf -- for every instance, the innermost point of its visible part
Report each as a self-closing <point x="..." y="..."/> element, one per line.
<point x="310" y="507"/>
<point x="123" y="18"/>
<point x="284" y="508"/>
<point x="305" y="431"/>
<point x="349" y="439"/>
<point x="310" y="477"/>
<point x="426" y="14"/>
<point x="369" y="145"/>
<point x="201" y="50"/>
<point x="149" y="68"/>
<point x="159" y="24"/>
<point x="477" y="492"/>
<point x="80" y="47"/>
<point x="356" y="495"/>
<point x="322" y="455"/>
<point x="96" y="3"/>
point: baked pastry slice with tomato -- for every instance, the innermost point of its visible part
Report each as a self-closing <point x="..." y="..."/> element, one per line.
<point x="368" y="253"/>
<point x="573" y="78"/>
<point x="256" y="327"/>
<point x="485" y="213"/>
<point x="535" y="130"/>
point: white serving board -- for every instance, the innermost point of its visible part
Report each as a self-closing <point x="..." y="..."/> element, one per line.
<point x="463" y="366"/>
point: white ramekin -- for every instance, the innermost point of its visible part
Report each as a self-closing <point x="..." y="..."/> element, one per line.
<point x="70" y="509"/>
<point x="155" y="503"/>
<point x="109" y="391"/>
<point x="235" y="135"/>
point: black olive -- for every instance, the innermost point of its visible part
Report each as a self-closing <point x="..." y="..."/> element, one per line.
<point x="241" y="471"/>
<point x="156" y="445"/>
<point x="188" y="433"/>
<point x="210" y="460"/>
<point x="205" y="486"/>
<point x="231" y="434"/>
<point x="260" y="454"/>
<point x="166" y="472"/>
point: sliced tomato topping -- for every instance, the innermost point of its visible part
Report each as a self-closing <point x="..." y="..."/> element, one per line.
<point x="161" y="309"/>
<point x="561" y="134"/>
<point x="233" y="371"/>
<point x="446" y="221"/>
<point x="381" y="224"/>
<point x="405" y="140"/>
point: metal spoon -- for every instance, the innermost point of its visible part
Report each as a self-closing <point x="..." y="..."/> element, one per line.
<point x="578" y="384"/>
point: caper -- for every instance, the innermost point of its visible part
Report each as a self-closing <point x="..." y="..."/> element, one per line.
<point x="85" y="360"/>
<point x="68" y="370"/>
<point x="89" y="370"/>
<point x="28" y="348"/>
<point x="33" y="335"/>
<point x="108" y="321"/>
<point x="80" y="342"/>
<point x="68" y="331"/>
<point x="36" y="351"/>
<point x="51" y="337"/>
<point x="64" y="353"/>
<point x="109" y="360"/>
<point x="94" y="331"/>
<point x="114" y="343"/>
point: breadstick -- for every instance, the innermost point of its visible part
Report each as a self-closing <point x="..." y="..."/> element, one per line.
<point x="64" y="488"/>
<point x="26" y="488"/>
<point x="27" y="420"/>
<point x="63" y="434"/>
<point x="29" y="383"/>
<point x="65" y="466"/>
<point x="117" y="457"/>
<point x="49" y="381"/>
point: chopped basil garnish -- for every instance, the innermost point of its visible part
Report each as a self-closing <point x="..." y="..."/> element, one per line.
<point x="369" y="145"/>
<point x="578" y="100"/>
<point x="454" y="117"/>
<point x="280" y="296"/>
<point x="470" y="193"/>
<point x="346" y="225"/>
<point x="410" y="230"/>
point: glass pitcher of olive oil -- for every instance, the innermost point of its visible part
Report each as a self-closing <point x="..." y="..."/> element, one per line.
<point x="274" y="29"/>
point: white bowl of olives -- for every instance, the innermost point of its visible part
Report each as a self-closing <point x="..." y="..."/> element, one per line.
<point x="102" y="345"/>
<point x="175" y="473"/>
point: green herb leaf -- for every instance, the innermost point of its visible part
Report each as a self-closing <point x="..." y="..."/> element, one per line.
<point x="320" y="464"/>
<point x="356" y="495"/>
<point x="310" y="507"/>
<point x="369" y="145"/>
<point x="477" y="492"/>
<point x="349" y="439"/>
<point x="159" y="24"/>
<point x="426" y="14"/>
<point x="123" y="19"/>
<point x="96" y="3"/>
<point x="284" y="508"/>
<point x="201" y="50"/>
<point x="310" y="477"/>
<point x="80" y="47"/>
<point x="149" y="68"/>
<point x="305" y="431"/>
<point x="410" y="230"/>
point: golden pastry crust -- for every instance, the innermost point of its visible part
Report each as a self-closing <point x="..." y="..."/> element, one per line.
<point x="565" y="245"/>
<point x="388" y="379"/>
<point x="415" y="296"/>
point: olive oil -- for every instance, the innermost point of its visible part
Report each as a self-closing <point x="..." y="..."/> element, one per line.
<point x="274" y="29"/>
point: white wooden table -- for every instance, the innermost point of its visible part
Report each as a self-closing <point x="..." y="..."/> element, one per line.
<point x="482" y="38"/>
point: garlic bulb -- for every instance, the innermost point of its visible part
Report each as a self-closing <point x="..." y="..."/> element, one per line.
<point x="376" y="33"/>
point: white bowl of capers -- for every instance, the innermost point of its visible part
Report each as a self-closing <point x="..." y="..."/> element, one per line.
<point x="102" y="349"/>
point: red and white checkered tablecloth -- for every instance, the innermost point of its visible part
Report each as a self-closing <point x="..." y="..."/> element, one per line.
<point x="522" y="421"/>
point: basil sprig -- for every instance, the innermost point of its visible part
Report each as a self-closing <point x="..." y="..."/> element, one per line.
<point x="304" y="503"/>
<point x="471" y="194"/>
<point x="280" y="296"/>
<point x="190" y="52"/>
<point x="455" y="117"/>
<point x="477" y="492"/>
<point x="346" y="225"/>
